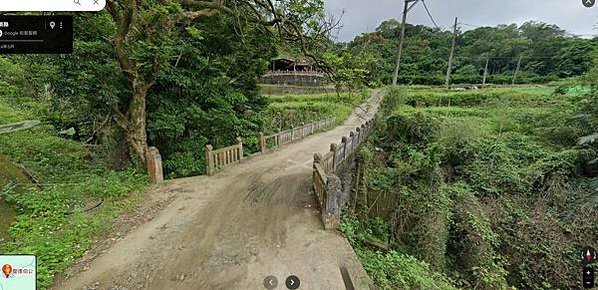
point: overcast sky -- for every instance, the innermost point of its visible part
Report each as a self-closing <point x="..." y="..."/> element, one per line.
<point x="365" y="15"/>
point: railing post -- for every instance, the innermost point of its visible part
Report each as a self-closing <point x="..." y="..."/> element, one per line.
<point x="333" y="148"/>
<point x="331" y="212"/>
<point x="240" y="143"/>
<point x="315" y="178"/>
<point x="358" y="130"/>
<point x="278" y="138"/>
<point x="352" y="137"/>
<point x="317" y="158"/>
<point x="209" y="160"/>
<point x="292" y="133"/>
<point x="311" y="128"/>
<point x="262" y="141"/>
<point x="154" y="165"/>
<point x="344" y="145"/>
<point x="302" y="130"/>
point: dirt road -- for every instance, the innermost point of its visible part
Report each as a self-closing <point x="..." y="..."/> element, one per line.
<point x="233" y="229"/>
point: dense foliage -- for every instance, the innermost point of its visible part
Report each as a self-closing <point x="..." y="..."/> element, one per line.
<point x="180" y="77"/>
<point x="547" y="53"/>
<point x="493" y="189"/>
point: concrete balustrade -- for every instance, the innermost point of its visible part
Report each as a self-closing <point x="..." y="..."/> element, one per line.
<point x="326" y="183"/>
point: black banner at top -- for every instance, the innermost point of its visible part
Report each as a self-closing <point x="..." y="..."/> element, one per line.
<point x="36" y="34"/>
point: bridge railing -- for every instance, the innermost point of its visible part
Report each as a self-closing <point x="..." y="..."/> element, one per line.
<point x="221" y="158"/>
<point x="319" y="180"/>
<point x="295" y="133"/>
<point x="326" y="168"/>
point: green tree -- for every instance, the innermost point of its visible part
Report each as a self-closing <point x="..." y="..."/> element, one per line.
<point x="147" y="34"/>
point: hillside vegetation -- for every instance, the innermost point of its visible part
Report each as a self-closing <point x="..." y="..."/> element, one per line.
<point x="544" y="51"/>
<point x="494" y="190"/>
<point x="50" y="223"/>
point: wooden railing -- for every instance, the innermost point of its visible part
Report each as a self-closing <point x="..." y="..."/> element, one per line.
<point x="220" y="158"/>
<point x="330" y="165"/>
<point x="293" y="134"/>
<point x="294" y="73"/>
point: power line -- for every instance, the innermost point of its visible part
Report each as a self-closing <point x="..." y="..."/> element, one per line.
<point x="430" y="14"/>
<point x="471" y="25"/>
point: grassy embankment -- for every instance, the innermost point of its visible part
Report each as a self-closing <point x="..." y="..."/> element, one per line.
<point x="484" y="189"/>
<point x="49" y="221"/>
<point x="287" y="110"/>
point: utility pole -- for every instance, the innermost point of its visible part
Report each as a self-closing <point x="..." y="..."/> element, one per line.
<point x="485" y="72"/>
<point x="517" y="69"/>
<point x="406" y="10"/>
<point x="450" y="62"/>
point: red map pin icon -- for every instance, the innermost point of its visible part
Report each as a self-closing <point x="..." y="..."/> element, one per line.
<point x="7" y="269"/>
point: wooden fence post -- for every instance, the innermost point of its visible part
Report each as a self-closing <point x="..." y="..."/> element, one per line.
<point x="292" y="133"/>
<point x="240" y="143"/>
<point x="209" y="160"/>
<point x="262" y="141"/>
<point x="358" y="130"/>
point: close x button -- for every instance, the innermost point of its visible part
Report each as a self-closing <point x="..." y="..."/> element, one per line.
<point x="588" y="278"/>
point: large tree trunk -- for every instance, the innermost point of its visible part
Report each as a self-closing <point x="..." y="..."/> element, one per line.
<point x="134" y="121"/>
<point x="136" y="133"/>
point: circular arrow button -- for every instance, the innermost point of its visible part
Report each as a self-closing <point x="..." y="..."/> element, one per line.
<point x="270" y="282"/>
<point x="292" y="282"/>
<point x="588" y="3"/>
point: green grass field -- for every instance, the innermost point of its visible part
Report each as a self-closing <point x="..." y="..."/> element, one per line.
<point x="287" y="110"/>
